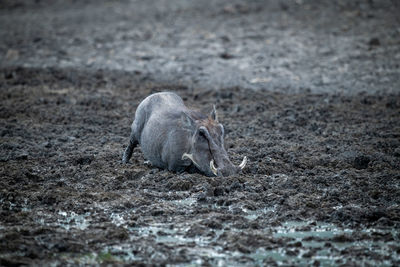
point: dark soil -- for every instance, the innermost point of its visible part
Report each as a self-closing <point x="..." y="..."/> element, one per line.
<point x="316" y="157"/>
<point x="327" y="158"/>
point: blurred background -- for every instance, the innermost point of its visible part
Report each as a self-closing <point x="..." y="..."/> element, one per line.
<point x="294" y="45"/>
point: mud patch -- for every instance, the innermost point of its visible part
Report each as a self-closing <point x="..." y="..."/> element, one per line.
<point x="322" y="184"/>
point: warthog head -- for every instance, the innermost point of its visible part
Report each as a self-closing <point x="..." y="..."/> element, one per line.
<point x="207" y="150"/>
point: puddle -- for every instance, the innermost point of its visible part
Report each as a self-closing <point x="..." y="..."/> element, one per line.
<point x="309" y="251"/>
<point x="120" y="253"/>
<point x="117" y="219"/>
<point x="320" y="230"/>
<point x="294" y="242"/>
<point x="72" y="220"/>
<point x="117" y="254"/>
<point x="316" y="241"/>
<point x="175" y="234"/>
<point x="255" y="214"/>
<point x="66" y="220"/>
<point x="325" y="250"/>
<point x="186" y="202"/>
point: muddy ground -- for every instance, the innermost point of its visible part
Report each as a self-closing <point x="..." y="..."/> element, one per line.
<point x="322" y="184"/>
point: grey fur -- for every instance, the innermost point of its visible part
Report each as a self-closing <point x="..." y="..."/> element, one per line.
<point x="166" y="129"/>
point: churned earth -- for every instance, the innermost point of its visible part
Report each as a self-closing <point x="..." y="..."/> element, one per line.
<point x="309" y="91"/>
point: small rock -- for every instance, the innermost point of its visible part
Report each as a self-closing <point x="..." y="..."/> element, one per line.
<point x="22" y="156"/>
<point x="243" y="248"/>
<point x="196" y="230"/>
<point x="86" y="160"/>
<point x="374" y="42"/>
<point x="297" y="244"/>
<point x="292" y="253"/>
<point x="47" y="144"/>
<point x="48" y="199"/>
<point x="212" y="224"/>
<point x="361" y="162"/>
<point x="225" y="38"/>
<point x="342" y="238"/>
<point x="37" y="39"/>
<point x="226" y="55"/>
<point x="218" y="191"/>
<point x="375" y="215"/>
<point x="33" y="177"/>
<point x="202" y="197"/>
<point x="157" y="212"/>
<point x="118" y="233"/>
<point x="62" y="139"/>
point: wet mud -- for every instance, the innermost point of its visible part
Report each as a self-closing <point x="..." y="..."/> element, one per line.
<point x="321" y="186"/>
<point x="308" y="90"/>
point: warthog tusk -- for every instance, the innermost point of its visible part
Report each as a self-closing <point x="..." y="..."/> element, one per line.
<point x="212" y="167"/>
<point x="243" y="164"/>
<point x="190" y="156"/>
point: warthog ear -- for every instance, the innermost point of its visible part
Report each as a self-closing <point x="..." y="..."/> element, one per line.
<point x="214" y="114"/>
<point x="188" y="122"/>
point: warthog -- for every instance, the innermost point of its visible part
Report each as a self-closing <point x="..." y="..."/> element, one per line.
<point x="177" y="138"/>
